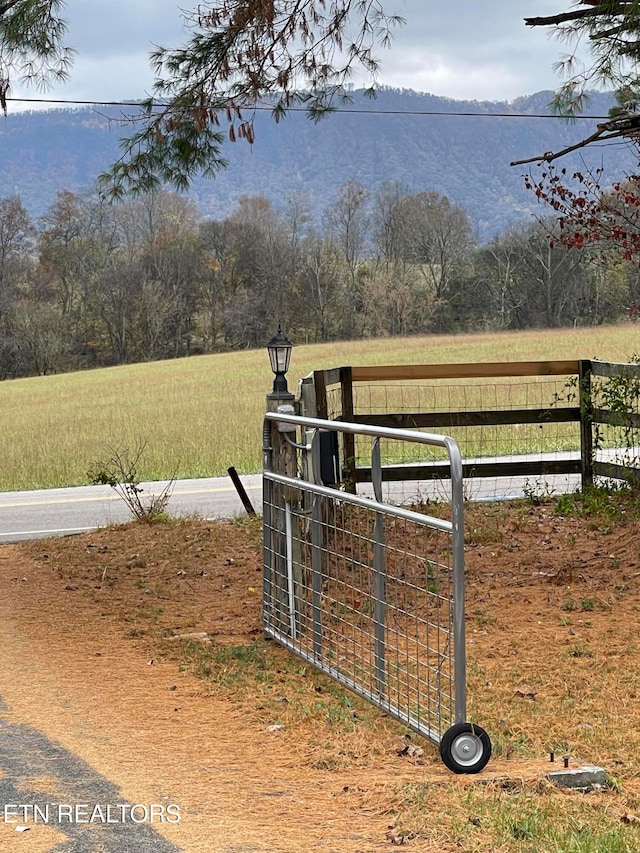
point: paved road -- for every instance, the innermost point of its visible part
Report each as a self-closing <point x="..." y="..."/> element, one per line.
<point x="54" y="512"/>
<point x="57" y="512"/>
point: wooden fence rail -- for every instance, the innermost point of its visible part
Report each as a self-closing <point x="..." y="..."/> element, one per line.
<point x="318" y="385"/>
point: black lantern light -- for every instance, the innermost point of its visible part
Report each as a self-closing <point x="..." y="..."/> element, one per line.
<point x="279" y="349"/>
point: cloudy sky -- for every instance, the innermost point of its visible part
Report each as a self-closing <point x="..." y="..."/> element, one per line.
<point x="467" y="49"/>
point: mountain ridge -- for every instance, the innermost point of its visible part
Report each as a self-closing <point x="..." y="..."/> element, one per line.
<point x="420" y="140"/>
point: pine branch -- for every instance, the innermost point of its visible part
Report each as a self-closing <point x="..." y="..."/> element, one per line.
<point x="554" y="20"/>
<point x="625" y="126"/>
<point x="7" y="6"/>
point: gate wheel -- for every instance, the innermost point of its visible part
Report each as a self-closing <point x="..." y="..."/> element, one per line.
<point x="465" y="748"/>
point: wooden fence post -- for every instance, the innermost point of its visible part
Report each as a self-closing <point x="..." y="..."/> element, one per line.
<point x="348" y="440"/>
<point x="322" y="406"/>
<point x="586" y="423"/>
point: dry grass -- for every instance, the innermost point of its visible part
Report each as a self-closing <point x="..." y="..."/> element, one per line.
<point x="552" y="611"/>
<point x="198" y="416"/>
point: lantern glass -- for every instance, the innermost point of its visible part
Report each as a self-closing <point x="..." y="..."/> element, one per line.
<point x="279" y="348"/>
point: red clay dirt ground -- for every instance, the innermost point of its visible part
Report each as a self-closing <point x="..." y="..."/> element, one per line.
<point x="259" y="751"/>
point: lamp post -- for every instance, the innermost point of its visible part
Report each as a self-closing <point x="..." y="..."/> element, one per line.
<point x="279" y="349"/>
<point x="282" y="557"/>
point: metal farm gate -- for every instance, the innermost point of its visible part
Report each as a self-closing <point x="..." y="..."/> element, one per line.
<point x="370" y="594"/>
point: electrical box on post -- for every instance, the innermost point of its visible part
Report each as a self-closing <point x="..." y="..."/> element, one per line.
<point x="286" y="410"/>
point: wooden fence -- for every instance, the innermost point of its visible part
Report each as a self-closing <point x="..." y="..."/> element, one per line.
<point x="583" y="410"/>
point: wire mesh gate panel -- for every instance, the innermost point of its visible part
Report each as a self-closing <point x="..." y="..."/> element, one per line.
<point x="372" y="594"/>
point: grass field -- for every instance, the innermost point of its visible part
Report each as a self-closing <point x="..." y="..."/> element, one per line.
<point x="199" y="416"/>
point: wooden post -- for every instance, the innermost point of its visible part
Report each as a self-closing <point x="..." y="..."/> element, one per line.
<point x="586" y="423"/>
<point x="286" y="567"/>
<point x="348" y="440"/>
<point x="307" y="404"/>
<point x="322" y="407"/>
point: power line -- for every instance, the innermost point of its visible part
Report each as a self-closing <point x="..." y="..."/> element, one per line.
<point x="350" y="110"/>
<point x="78" y="103"/>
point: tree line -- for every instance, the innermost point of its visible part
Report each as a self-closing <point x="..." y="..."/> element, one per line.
<point x="95" y="283"/>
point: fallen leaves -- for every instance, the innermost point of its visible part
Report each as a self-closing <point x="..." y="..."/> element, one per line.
<point x="411" y="751"/>
<point x="525" y="692"/>
<point x="629" y="817"/>
<point x="398" y="836"/>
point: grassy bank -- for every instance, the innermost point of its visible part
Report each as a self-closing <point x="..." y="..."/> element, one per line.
<point x="198" y="416"/>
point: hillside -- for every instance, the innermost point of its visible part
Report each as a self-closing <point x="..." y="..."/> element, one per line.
<point x="464" y="157"/>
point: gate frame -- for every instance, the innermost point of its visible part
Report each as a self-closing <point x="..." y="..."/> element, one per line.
<point x="464" y="747"/>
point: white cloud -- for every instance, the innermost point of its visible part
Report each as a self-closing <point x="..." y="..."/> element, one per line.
<point x="459" y="49"/>
<point x="437" y="76"/>
<point x="476" y="50"/>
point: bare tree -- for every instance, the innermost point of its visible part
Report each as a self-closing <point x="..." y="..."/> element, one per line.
<point x="323" y="292"/>
<point x="16" y="233"/>
<point x="263" y="265"/>
<point x="438" y="238"/>
<point x="347" y="222"/>
<point x="388" y="221"/>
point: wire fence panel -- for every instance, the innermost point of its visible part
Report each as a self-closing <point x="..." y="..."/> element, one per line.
<point x="466" y="396"/>
<point x="370" y="594"/>
<point x="615" y="413"/>
<point x="475" y="413"/>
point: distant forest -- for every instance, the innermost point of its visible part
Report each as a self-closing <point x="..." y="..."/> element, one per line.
<point x="92" y="284"/>
<point x="459" y="149"/>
